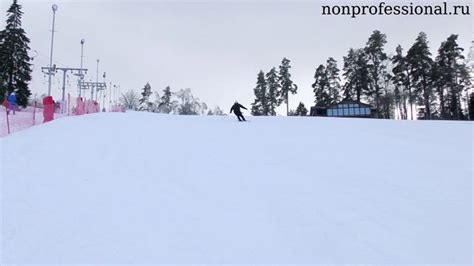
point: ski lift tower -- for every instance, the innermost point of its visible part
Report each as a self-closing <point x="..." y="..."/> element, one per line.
<point x="54" y="69"/>
<point x="51" y="69"/>
<point x="85" y="85"/>
<point x="97" y="86"/>
<point x="81" y="75"/>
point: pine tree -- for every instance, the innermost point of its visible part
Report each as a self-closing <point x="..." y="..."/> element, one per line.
<point x="273" y="99"/>
<point x="287" y="85"/>
<point x="399" y="102"/>
<point x="401" y="81"/>
<point x="349" y="88"/>
<point x="376" y="57"/>
<point x="166" y="104"/>
<point x="356" y="74"/>
<point x="260" y="107"/>
<point x="321" y="87"/>
<point x="15" y="67"/>
<point x="439" y="85"/>
<point x="301" y="110"/>
<point x="397" y="80"/>
<point x="387" y="97"/>
<point x="332" y="74"/>
<point x="463" y="83"/>
<point x="145" y="104"/>
<point x="471" y="106"/>
<point x="421" y="64"/>
<point x="451" y="77"/>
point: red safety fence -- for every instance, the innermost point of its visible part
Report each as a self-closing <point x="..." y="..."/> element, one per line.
<point x="45" y="111"/>
<point x="23" y="118"/>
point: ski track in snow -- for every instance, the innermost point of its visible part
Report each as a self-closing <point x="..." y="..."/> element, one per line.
<point x="148" y="188"/>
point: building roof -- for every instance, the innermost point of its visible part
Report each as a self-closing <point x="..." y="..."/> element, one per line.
<point x="346" y="101"/>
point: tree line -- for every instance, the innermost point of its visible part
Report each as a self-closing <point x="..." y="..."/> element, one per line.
<point x="181" y="102"/>
<point x="402" y="85"/>
<point x="273" y="89"/>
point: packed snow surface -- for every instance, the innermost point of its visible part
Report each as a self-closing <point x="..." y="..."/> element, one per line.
<point x="149" y="188"/>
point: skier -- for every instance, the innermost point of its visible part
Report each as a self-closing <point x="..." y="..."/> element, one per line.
<point x="236" y="109"/>
<point x="11" y="103"/>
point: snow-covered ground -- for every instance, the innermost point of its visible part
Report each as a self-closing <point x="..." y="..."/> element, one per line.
<point x="148" y="188"/>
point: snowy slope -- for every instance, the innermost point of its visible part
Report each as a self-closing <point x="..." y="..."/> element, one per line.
<point x="148" y="188"/>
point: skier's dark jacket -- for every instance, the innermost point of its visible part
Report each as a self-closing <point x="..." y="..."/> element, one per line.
<point x="236" y="108"/>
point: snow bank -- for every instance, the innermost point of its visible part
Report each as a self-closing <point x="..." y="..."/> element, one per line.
<point x="147" y="188"/>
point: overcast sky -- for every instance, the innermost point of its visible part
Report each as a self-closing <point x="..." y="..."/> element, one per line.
<point x="216" y="48"/>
